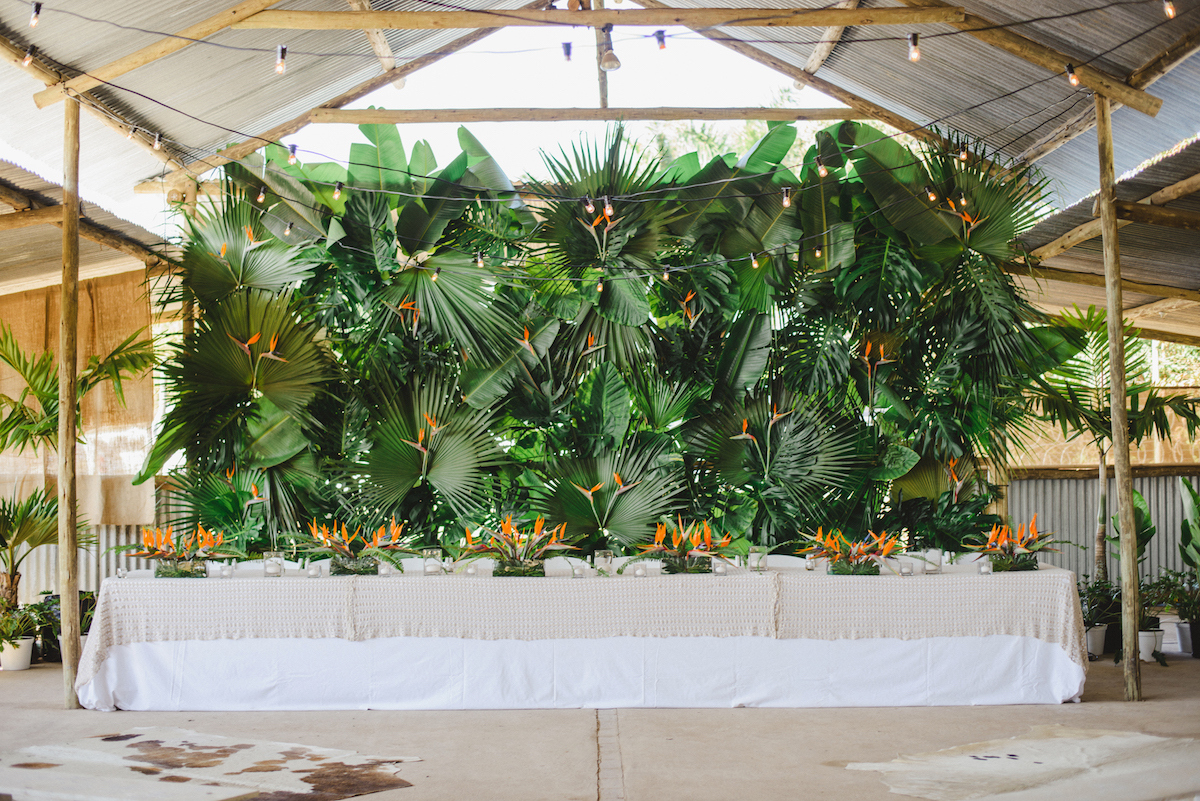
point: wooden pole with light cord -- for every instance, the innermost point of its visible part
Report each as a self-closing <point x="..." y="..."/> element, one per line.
<point x="1130" y="602"/>
<point x="68" y="380"/>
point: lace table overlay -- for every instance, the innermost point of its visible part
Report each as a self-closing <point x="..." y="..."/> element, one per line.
<point x="776" y="604"/>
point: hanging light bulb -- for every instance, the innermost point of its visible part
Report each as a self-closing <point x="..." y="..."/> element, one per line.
<point x="479" y="259"/>
<point x="132" y="130"/>
<point x="25" y="62"/>
<point x="962" y="199"/>
<point x="787" y="197"/>
<point x="661" y="38"/>
<point x="817" y="251"/>
<point x="1169" y="9"/>
<point x="337" y="190"/>
<point x="158" y="141"/>
<point x="962" y="153"/>
<point x="600" y="285"/>
<point x="262" y="194"/>
<point x="822" y="170"/>
<point x="1071" y="76"/>
<point x="608" y="59"/>
<point x="292" y="154"/>
<point x="567" y="50"/>
<point x="914" y="47"/>
<point x="608" y="209"/>
<point x="280" y="56"/>
<point x="287" y="231"/>
<point x="931" y="194"/>
<point x="754" y="261"/>
<point x="436" y="273"/>
<point x="589" y="206"/>
<point x="33" y="18"/>
<point x="666" y="277"/>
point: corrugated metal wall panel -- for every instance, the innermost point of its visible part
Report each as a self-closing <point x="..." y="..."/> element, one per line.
<point x="40" y="570"/>
<point x="1068" y="508"/>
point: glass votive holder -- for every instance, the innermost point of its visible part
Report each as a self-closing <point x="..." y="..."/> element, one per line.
<point x="385" y="569"/>
<point x="719" y="566"/>
<point x="121" y="572"/>
<point x="603" y="560"/>
<point x="985" y="568"/>
<point x="578" y="572"/>
<point x="432" y="560"/>
<point x="639" y="571"/>
<point x="810" y="563"/>
<point x="314" y="571"/>
<point x="273" y="564"/>
<point x="906" y="569"/>
<point x="471" y="570"/>
<point x="226" y="571"/>
<point x="757" y="559"/>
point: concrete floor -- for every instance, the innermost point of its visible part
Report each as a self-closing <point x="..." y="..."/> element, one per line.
<point x="660" y="754"/>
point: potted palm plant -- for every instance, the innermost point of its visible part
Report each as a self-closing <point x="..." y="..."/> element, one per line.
<point x="1185" y="598"/>
<point x="25" y="525"/>
<point x="1100" y="602"/>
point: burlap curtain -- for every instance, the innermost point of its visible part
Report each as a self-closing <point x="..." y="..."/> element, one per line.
<point x="116" y="437"/>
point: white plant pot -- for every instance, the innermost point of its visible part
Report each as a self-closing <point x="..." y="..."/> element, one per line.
<point x="1095" y="639"/>
<point x="1158" y="640"/>
<point x="17" y="658"/>
<point x="1185" y="637"/>
<point x="82" y="643"/>
<point x="1147" y="641"/>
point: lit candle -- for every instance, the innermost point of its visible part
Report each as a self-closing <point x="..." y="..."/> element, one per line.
<point x="577" y="572"/>
<point x="471" y="571"/>
<point x="719" y="570"/>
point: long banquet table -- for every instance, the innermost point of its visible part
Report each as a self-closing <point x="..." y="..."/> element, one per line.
<point x="783" y="638"/>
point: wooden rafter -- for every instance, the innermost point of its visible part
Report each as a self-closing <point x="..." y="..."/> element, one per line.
<point x="1159" y="308"/>
<point x="15" y="55"/>
<point x="1141" y="78"/>
<point x="379" y="43"/>
<point x="595" y="18"/>
<point x="400" y="116"/>
<point x="26" y="204"/>
<point x="1091" y="228"/>
<point x="1092" y="279"/>
<point x="859" y="104"/>
<point x="163" y="47"/>
<point x="25" y="219"/>
<point x="245" y="148"/>
<point x="1157" y="215"/>
<point x="1050" y="59"/>
<point x="829" y="40"/>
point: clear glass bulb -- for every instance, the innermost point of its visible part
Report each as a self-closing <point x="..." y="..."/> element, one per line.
<point x="609" y="61"/>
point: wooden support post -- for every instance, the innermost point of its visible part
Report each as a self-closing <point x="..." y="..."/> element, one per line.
<point x="1130" y="602"/>
<point x="601" y="75"/>
<point x="190" y="190"/>
<point x="68" y="331"/>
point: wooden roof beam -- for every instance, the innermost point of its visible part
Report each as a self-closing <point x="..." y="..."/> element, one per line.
<point x="1048" y="58"/>
<point x="379" y="43"/>
<point x="87" y="229"/>
<point x="385" y="116"/>
<point x="1159" y="308"/>
<point x="163" y="47"/>
<point x="245" y="148"/>
<point x="31" y="217"/>
<point x="15" y="55"/>
<point x="1091" y="228"/>
<point x="1157" y="215"/>
<point x="829" y="40"/>
<point x="655" y="17"/>
<point x="1141" y="78"/>
<point x="1092" y="279"/>
<point x="859" y="104"/>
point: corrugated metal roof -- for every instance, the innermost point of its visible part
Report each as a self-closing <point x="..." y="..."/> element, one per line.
<point x="33" y="256"/>
<point x="207" y="95"/>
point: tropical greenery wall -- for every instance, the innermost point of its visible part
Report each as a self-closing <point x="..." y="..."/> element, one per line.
<point x="765" y="346"/>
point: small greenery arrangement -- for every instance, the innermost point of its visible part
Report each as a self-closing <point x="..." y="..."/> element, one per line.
<point x="1011" y="551"/>
<point x="691" y="548"/>
<point x="357" y="554"/>
<point x="852" y="557"/>
<point x="180" y="555"/>
<point x="1100" y="601"/>
<point x="1185" y="594"/>
<point x="516" y="553"/>
<point x="18" y="623"/>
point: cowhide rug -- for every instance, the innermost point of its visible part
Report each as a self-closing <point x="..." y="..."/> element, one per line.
<point x="1051" y="763"/>
<point x="166" y="764"/>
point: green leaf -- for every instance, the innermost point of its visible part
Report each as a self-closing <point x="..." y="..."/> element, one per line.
<point x="274" y="436"/>
<point x="605" y="405"/>
<point x="746" y="352"/>
<point x="895" y="462"/>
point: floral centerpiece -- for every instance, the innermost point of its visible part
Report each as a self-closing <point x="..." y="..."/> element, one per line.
<point x="180" y="555"/>
<point x="357" y="554"/>
<point x="691" y="548"/>
<point x="517" y="553"/>
<point x="852" y="557"/>
<point x="1015" y="551"/>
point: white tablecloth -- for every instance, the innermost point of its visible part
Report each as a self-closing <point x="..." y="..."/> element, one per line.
<point x="784" y="638"/>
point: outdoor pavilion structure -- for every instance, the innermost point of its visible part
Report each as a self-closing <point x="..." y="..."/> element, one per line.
<point x="1068" y="87"/>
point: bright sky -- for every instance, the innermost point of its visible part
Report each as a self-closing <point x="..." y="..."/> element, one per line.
<point x="524" y="67"/>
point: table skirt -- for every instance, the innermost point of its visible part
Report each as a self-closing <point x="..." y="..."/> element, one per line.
<point x="622" y="672"/>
